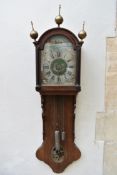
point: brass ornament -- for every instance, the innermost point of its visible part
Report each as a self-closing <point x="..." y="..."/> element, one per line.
<point x="59" y="18"/>
<point x="33" y="33"/>
<point x="82" y="34"/>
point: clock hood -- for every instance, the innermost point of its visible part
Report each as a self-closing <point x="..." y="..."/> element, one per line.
<point x="58" y="31"/>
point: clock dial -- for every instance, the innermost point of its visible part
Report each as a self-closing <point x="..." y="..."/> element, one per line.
<point x="58" y="62"/>
<point x="58" y="66"/>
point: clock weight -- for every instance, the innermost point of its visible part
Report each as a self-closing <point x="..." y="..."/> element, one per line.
<point x="57" y="152"/>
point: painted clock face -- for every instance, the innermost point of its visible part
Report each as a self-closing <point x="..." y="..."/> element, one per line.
<point x="58" y="62"/>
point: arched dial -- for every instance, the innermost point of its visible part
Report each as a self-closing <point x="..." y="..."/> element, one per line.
<point x="58" y="62"/>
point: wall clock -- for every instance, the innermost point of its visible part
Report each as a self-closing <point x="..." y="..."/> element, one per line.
<point x="58" y="62"/>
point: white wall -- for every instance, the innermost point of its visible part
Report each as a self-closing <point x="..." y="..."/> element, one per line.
<point x="20" y="112"/>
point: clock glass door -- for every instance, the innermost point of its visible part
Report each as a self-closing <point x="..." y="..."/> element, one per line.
<point x="58" y="62"/>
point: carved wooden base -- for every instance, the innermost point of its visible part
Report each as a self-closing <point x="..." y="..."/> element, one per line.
<point x="72" y="153"/>
<point x="58" y="118"/>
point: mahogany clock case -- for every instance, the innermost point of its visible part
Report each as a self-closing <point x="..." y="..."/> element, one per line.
<point x="58" y="106"/>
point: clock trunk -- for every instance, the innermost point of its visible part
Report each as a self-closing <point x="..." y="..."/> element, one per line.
<point x="58" y="117"/>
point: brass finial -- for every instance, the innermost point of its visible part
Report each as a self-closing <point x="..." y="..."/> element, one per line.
<point x="33" y="33"/>
<point x="82" y="34"/>
<point x="59" y="9"/>
<point x="59" y="18"/>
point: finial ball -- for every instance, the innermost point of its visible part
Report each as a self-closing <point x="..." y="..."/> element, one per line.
<point x="59" y="19"/>
<point x="82" y="34"/>
<point x="34" y="34"/>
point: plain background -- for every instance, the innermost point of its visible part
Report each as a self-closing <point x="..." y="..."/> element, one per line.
<point x="20" y="108"/>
